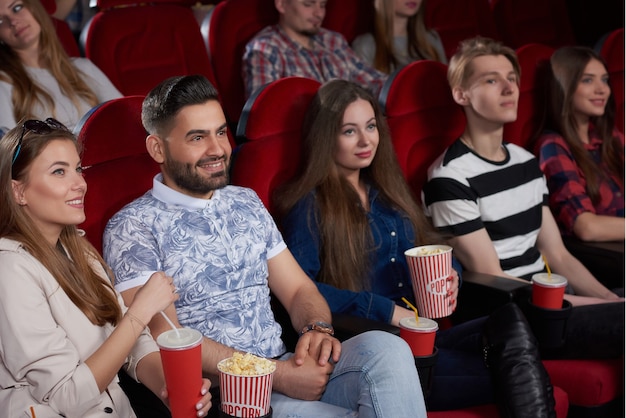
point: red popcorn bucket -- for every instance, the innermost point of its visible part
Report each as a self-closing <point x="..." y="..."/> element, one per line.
<point x="430" y="266"/>
<point x="245" y="395"/>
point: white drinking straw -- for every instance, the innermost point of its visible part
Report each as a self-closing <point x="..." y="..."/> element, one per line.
<point x="169" y="321"/>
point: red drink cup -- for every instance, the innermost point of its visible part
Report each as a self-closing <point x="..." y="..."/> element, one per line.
<point x="419" y="334"/>
<point x="181" y="355"/>
<point x="246" y="395"/>
<point x="548" y="290"/>
<point x="430" y="266"/>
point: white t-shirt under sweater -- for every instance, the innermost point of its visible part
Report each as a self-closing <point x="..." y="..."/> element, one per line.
<point x="65" y="111"/>
<point x="466" y="193"/>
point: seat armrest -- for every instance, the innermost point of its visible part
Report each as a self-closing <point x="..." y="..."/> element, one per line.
<point x="482" y="293"/>
<point x="497" y="283"/>
<point x="347" y="326"/>
<point x="605" y="260"/>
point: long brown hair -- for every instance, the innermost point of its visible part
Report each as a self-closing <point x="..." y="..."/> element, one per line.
<point x="72" y="268"/>
<point x="345" y="232"/>
<point x="417" y="37"/>
<point x="568" y="65"/>
<point x="26" y="93"/>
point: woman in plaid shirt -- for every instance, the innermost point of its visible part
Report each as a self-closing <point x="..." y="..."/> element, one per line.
<point x="581" y="151"/>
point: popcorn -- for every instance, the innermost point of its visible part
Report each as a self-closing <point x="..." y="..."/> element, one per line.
<point x="246" y="365"/>
<point x="430" y="251"/>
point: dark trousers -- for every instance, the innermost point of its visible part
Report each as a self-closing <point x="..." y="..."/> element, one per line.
<point x="460" y="377"/>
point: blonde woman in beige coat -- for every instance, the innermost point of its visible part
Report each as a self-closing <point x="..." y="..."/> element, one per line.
<point x="64" y="331"/>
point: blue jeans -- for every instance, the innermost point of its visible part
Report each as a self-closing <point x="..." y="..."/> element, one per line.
<point x="375" y="377"/>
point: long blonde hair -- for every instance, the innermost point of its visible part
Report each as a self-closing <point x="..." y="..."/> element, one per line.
<point x="417" y="37"/>
<point x="568" y="65"/>
<point x="74" y="271"/>
<point x="26" y="93"/>
<point x="345" y="232"/>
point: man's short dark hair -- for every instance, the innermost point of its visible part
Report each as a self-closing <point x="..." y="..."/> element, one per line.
<point x="163" y="102"/>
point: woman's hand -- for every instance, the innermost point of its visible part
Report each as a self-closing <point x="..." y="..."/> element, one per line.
<point x="157" y="294"/>
<point x="203" y="405"/>
<point x="453" y="289"/>
<point x="398" y="313"/>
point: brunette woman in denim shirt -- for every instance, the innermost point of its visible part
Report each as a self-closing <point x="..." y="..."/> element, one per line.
<point x="349" y="217"/>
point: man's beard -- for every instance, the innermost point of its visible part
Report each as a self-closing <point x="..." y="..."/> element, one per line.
<point x="187" y="178"/>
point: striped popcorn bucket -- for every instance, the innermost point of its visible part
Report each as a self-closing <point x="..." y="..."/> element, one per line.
<point x="430" y="266"/>
<point x="245" y="396"/>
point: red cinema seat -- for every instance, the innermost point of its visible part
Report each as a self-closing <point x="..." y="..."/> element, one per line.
<point x="138" y="45"/>
<point x="271" y="123"/>
<point x="613" y="53"/>
<point x="456" y="20"/>
<point x="534" y="61"/>
<point x="63" y="30"/>
<point x="226" y="30"/>
<point x="350" y="18"/>
<point x="117" y="165"/>
<point x="422" y="116"/>
<point x="521" y="22"/>
<point x="595" y="388"/>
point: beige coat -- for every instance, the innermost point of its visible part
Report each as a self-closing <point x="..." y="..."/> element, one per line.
<point x="44" y="341"/>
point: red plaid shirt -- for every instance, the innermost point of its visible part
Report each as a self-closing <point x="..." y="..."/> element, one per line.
<point x="272" y="55"/>
<point x="567" y="184"/>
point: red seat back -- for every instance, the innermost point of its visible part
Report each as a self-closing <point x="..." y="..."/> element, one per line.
<point x="226" y="30"/>
<point x="534" y="61"/>
<point x="521" y="22"/>
<point x="66" y="37"/>
<point x="118" y="166"/>
<point x="422" y="116"/>
<point x="613" y="53"/>
<point x="272" y="123"/>
<point x="63" y="30"/>
<point x="350" y="17"/>
<point x="139" y="45"/>
<point x="456" y="20"/>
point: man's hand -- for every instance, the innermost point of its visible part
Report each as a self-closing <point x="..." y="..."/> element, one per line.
<point x="319" y="346"/>
<point x="306" y="381"/>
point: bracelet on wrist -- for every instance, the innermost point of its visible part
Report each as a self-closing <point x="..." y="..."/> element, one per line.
<point x="133" y="318"/>
<point x="318" y="326"/>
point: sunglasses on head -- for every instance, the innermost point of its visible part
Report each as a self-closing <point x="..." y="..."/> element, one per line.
<point x="40" y="127"/>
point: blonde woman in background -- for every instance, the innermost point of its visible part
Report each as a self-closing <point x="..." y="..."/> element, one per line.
<point x="37" y="78"/>
<point x="400" y="37"/>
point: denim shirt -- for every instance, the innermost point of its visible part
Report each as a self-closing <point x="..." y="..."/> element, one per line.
<point x="390" y="280"/>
